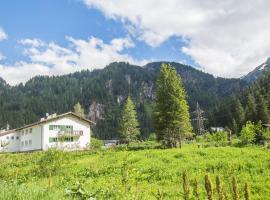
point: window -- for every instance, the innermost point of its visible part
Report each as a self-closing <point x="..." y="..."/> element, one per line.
<point x="12" y="137"/>
<point x="30" y="142"/>
<point x="7" y="137"/>
<point x="17" y="137"/>
<point x="26" y="131"/>
<point x="30" y="130"/>
<point x="53" y="139"/>
<point x="81" y="133"/>
<point x="22" y="143"/>
<point x="26" y="143"/>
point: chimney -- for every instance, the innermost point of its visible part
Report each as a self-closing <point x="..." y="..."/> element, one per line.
<point x="8" y="127"/>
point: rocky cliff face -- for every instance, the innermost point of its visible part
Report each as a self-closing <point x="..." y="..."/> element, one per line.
<point x="96" y="111"/>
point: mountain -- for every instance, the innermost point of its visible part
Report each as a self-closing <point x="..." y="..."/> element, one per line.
<point x="102" y="92"/>
<point x="253" y="75"/>
<point x="251" y="104"/>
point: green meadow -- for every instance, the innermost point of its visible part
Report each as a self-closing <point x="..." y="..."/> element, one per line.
<point x="133" y="174"/>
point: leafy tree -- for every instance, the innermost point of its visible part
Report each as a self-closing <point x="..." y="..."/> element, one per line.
<point x="79" y="110"/>
<point x="129" y="126"/>
<point x="172" y="118"/>
<point x="248" y="134"/>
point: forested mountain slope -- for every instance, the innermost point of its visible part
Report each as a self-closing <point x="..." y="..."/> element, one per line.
<point x="252" y="104"/>
<point x="101" y="93"/>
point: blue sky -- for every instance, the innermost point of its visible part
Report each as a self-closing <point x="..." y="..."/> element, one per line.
<point x="50" y="37"/>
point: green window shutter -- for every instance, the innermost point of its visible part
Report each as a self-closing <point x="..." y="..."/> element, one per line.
<point x="50" y="127"/>
<point x="51" y="139"/>
<point x="63" y="128"/>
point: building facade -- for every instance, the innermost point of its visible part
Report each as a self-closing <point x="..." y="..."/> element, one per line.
<point x="67" y="131"/>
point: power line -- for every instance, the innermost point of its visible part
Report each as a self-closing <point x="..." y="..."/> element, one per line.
<point x="199" y="119"/>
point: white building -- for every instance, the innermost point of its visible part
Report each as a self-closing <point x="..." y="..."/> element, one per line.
<point x="67" y="131"/>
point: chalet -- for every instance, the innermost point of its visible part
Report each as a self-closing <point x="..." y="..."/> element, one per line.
<point x="67" y="131"/>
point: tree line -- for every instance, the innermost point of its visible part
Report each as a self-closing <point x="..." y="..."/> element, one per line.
<point x="252" y="104"/>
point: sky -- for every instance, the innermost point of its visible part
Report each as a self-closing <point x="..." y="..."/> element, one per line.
<point x="47" y="37"/>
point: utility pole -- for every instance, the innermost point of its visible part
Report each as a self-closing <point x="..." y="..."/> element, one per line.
<point x="199" y="119"/>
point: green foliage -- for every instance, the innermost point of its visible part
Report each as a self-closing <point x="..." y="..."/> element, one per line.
<point x="196" y="189"/>
<point x="219" y="138"/>
<point x="78" y="109"/>
<point x="255" y="101"/>
<point x="266" y="135"/>
<point x="108" y="174"/>
<point x="78" y="191"/>
<point x="152" y="137"/>
<point x="27" y="103"/>
<point x="96" y="144"/>
<point x="129" y="126"/>
<point x="248" y="134"/>
<point x="51" y="162"/>
<point x="172" y="118"/>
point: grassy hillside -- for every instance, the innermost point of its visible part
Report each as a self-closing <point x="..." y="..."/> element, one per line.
<point x="121" y="174"/>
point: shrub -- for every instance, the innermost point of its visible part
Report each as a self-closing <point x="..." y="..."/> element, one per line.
<point x="96" y="143"/>
<point x="219" y="138"/>
<point x="248" y="134"/>
<point x="152" y="137"/>
<point x="50" y="163"/>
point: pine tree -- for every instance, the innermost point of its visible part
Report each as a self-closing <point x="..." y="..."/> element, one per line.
<point x="250" y="110"/>
<point x="172" y="118"/>
<point x="234" y="126"/>
<point x="79" y="110"/>
<point x="129" y="126"/>
<point x="239" y="113"/>
<point x="262" y="111"/>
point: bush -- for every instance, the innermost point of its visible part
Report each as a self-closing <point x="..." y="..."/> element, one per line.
<point x="152" y="137"/>
<point x="50" y="164"/>
<point x="96" y="143"/>
<point x="248" y="133"/>
<point x="219" y="138"/>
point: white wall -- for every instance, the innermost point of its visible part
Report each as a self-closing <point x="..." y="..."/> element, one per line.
<point x="78" y="125"/>
<point x="12" y="140"/>
<point x="30" y="141"/>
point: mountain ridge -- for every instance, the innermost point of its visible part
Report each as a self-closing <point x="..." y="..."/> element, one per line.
<point x="257" y="72"/>
<point x="101" y="93"/>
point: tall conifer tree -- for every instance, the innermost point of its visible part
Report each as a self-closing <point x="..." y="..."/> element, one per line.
<point x="239" y="114"/>
<point x="262" y="110"/>
<point x="250" y="110"/>
<point x="129" y="126"/>
<point x="172" y="120"/>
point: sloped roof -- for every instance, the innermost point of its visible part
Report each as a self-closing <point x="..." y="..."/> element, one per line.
<point x="48" y="120"/>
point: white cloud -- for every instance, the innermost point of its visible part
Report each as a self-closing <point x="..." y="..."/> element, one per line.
<point x="3" y="35"/>
<point x="228" y="38"/>
<point x="52" y="59"/>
